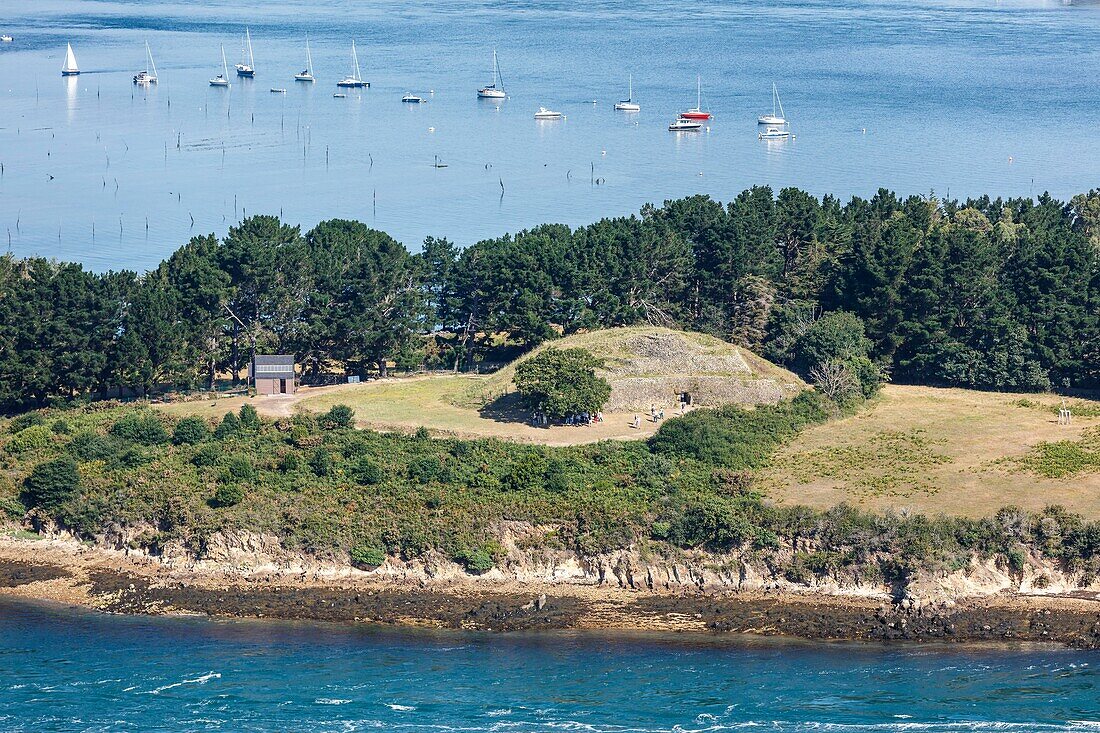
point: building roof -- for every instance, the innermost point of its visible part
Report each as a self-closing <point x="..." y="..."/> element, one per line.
<point x="272" y="366"/>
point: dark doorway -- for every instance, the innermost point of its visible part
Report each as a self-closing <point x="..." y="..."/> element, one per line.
<point x="282" y="386"/>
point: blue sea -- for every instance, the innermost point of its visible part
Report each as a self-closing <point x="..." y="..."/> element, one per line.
<point x="67" y="670"/>
<point x="955" y="97"/>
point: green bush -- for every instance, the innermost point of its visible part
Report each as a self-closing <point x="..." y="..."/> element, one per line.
<point x="476" y="561"/>
<point x="837" y="336"/>
<point x="321" y="463"/>
<point x="32" y="438"/>
<point x="26" y="420"/>
<point x="227" y="495"/>
<point x="190" y="430"/>
<point x="51" y="483"/>
<point x="366" y="556"/>
<point x="289" y="462"/>
<point x="61" y="427"/>
<point x="366" y="472"/>
<point x="339" y="417"/>
<point x="249" y="418"/>
<point x="206" y="455"/>
<point x="229" y="427"/>
<point x="239" y="468"/>
<point x="425" y="469"/>
<point x="11" y="508"/>
<point x="90" y="446"/>
<point x="145" y="429"/>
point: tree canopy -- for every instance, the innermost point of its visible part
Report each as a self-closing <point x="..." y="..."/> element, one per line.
<point x="562" y="382"/>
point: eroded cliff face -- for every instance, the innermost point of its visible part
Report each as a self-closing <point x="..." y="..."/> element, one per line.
<point x="258" y="556"/>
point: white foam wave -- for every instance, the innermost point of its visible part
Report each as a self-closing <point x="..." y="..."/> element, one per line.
<point x="400" y="708"/>
<point x="200" y="680"/>
<point x="330" y="701"/>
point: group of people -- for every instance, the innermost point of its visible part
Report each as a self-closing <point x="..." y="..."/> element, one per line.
<point x="541" y="420"/>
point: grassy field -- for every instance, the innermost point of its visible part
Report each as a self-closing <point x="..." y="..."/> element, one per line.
<point x="947" y="451"/>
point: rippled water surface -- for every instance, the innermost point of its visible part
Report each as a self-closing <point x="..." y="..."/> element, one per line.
<point x="75" y="671"/>
<point x="958" y="96"/>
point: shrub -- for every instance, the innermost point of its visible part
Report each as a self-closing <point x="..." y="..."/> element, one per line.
<point x="229" y="427"/>
<point x="340" y="416"/>
<point x="131" y="457"/>
<point x="367" y="556"/>
<point x="61" y="427"/>
<point x="249" y="418"/>
<point x="89" y="446"/>
<point x="26" y="420"/>
<point x="366" y="472"/>
<point x="36" y="436"/>
<point x="290" y="462"/>
<point x="424" y="469"/>
<point x="227" y="495"/>
<point x="146" y="429"/>
<point x="476" y="561"/>
<point x="190" y="430"/>
<point x="239" y="468"/>
<point x="837" y="336"/>
<point x="51" y="483"/>
<point x="11" y="508"/>
<point x="206" y="455"/>
<point x="321" y="463"/>
<point x="527" y="472"/>
<point x="562" y="382"/>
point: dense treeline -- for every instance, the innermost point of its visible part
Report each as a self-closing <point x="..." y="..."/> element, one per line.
<point x="987" y="293"/>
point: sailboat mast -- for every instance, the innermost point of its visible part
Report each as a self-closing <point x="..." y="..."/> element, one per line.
<point x="355" y="58"/>
<point x="630" y="88"/>
<point x="251" y="58"/>
<point x="225" y="65"/>
<point x="149" y="53"/>
<point x="699" y="92"/>
<point x="309" y="58"/>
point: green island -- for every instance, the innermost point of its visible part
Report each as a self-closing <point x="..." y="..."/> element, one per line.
<point x="890" y="398"/>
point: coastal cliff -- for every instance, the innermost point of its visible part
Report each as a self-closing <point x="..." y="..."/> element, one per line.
<point x="252" y="576"/>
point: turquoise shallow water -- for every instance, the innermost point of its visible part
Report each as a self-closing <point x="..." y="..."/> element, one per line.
<point x="64" y="670"/>
<point x="963" y="97"/>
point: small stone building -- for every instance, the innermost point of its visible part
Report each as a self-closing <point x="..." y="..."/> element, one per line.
<point x="273" y="374"/>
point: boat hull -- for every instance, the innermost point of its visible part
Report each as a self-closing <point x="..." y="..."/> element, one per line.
<point x="346" y="84"/>
<point x="770" y="120"/>
<point x="304" y="77"/>
<point x="491" y="94"/>
<point x="70" y="72"/>
<point x="627" y="107"/>
<point x="695" y="115"/>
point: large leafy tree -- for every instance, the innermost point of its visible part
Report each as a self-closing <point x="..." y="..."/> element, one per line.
<point x="561" y="382"/>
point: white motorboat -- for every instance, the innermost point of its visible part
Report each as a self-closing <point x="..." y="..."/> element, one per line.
<point x="683" y="124"/>
<point x="777" y="117"/>
<point x="411" y="98"/>
<point x="628" y="104"/>
<point x="496" y="89"/>
<point x="278" y="90"/>
<point x="339" y="95"/>
<point x="306" y="73"/>
<point x="147" y="77"/>
<point x="548" y="114"/>
<point x="774" y="133"/>
<point x="70" y="68"/>
<point x="6" y="39"/>
<point x="222" y="79"/>
<point x="247" y="67"/>
<point x="355" y="81"/>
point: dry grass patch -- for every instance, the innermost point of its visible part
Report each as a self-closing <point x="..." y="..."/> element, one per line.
<point x="948" y="451"/>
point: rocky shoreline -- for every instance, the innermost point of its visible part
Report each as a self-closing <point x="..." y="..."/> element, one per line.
<point x="111" y="582"/>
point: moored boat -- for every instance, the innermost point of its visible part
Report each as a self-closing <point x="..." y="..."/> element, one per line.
<point x="628" y="104"/>
<point x="147" y="77"/>
<point x="411" y="98"/>
<point x="697" y="112"/>
<point x="774" y="133"/>
<point x="682" y="124"/>
<point x="70" y="68"/>
<point x="247" y="67"/>
<point x="222" y="79"/>
<point x="496" y="89"/>
<point x="307" y="73"/>
<point x="355" y="81"/>
<point x="548" y="114"/>
<point x="777" y="117"/>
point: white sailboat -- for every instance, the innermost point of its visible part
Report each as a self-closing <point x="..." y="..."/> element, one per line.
<point x="307" y="73"/>
<point x="777" y="117"/>
<point x="496" y="89"/>
<point x="70" y="68"/>
<point x="356" y="80"/>
<point x="147" y="77"/>
<point x="221" y="80"/>
<point x="247" y="69"/>
<point x="628" y="104"/>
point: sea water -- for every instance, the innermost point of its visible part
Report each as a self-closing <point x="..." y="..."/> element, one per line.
<point x="67" y="670"/>
<point x="955" y="97"/>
